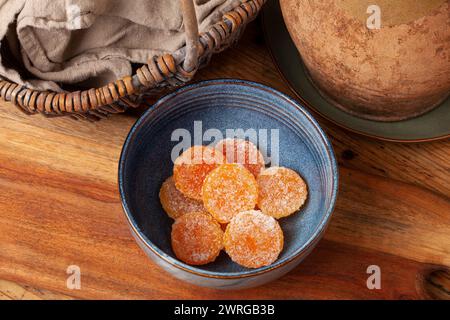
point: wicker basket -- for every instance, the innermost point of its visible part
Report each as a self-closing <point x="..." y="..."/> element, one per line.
<point x="169" y="70"/>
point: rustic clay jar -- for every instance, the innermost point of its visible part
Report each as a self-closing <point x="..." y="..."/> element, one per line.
<point x="398" y="71"/>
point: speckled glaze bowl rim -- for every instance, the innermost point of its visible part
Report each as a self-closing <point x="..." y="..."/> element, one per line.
<point x="313" y="240"/>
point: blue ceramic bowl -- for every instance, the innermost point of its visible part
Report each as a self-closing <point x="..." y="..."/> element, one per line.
<point x="226" y="104"/>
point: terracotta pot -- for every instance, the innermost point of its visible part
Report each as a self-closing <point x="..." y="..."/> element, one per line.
<point x="397" y="71"/>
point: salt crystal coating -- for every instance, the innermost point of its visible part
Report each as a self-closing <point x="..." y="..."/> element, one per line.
<point x="243" y="152"/>
<point x="192" y="167"/>
<point x="228" y="190"/>
<point x="282" y="192"/>
<point x="253" y="239"/>
<point x="174" y="203"/>
<point x="197" y="238"/>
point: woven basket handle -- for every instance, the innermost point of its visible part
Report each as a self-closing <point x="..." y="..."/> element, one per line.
<point x="192" y="36"/>
<point x="170" y="69"/>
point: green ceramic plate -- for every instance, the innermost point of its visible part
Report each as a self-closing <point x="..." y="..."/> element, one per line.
<point x="430" y="126"/>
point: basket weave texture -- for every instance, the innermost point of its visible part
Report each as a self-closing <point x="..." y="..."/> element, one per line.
<point x="169" y="70"/>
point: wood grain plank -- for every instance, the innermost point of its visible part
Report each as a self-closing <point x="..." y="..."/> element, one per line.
<point x="13" y="291"/>
<point x="82" y="229"/>
<point x="59" y="206"/>
<point x="333" y="271"/>
<point x="393" y="217"/>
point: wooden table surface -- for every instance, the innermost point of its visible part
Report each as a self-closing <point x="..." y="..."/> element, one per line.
<point x="60" y="206"/>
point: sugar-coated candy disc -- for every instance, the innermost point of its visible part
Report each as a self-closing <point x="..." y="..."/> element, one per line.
<point x="228" y="190"/>
<point x="192" y="167"/>
<point x="243" y="152"/>
<point x="253" y="239"/>
<point x="282" y="192"/>
<point x="197" y="238"/>
<point x="176" y="204"/>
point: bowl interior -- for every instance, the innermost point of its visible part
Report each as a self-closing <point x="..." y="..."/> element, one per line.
<point x="221" y="105"/>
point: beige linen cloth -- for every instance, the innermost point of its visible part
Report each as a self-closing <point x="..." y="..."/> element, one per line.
<point x="46" y="43"/>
